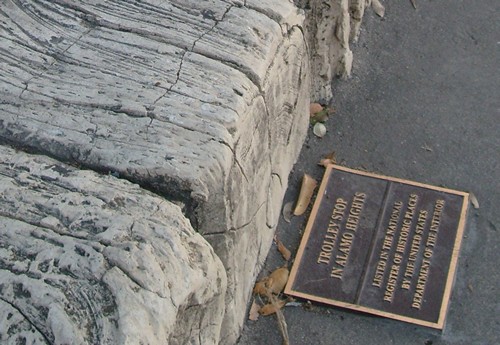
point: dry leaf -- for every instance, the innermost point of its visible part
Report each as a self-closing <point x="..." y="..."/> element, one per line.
<point x="281" y="319"/>
<point x="329" y="159"/>
<point x="287" y="211"/>
<point x="414" y="4"/>
<point x="378" y="8"/>
<point x="473" y="201"/>
<point x="260" y="287"/>
<point x="277" y="280"/>
<point x="306" y="192"/>
<point x="272" y="308"/>
<point x="254" y="311"/>
<point x="269" y="285"/>
<point x="268" y="309"/>
<point x="315" y="108"/>
<point x="283" y="250"/>
<point x="321" y="116"/>
<point x="332" y="156"/>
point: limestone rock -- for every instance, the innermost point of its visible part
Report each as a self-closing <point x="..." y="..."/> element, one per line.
<point x="330" y="26"/>
<point x="202" y="102"/>
<point x="89" y="259"/>
<point x="357" y="11"/>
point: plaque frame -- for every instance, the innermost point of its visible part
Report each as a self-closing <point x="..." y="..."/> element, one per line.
<point x="451" y="274"/>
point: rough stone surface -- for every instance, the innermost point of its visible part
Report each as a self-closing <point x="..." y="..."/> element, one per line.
<point x="204" y="103"/>
<point x="330" y="26"/>
<point x="357" y="10"/>
<point x="90" y="259"/>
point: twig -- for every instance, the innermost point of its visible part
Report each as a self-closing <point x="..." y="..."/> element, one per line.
<point x="281" y="319"/>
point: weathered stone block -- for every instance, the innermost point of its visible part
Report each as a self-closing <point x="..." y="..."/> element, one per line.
<point x="204" y="103"/>
<point x="90" y="259"/>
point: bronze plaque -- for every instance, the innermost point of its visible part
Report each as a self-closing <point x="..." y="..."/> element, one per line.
<point x="381" y="245"/>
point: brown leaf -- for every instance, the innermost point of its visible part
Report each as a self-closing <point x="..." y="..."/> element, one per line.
<point x="272" y="308"/>
<point x="315" y="108"/>
<point x="277" y="280"/>
<point x="306" y="192"/>
<point x="328" y="159"/>
<point x="473" y="201"/>
<point x="254" y="311"/>
<point x="260" y="287"/>
<point x="332" y="156"/>
<point x="283" y="250"/>
<point x="281" y="318"/>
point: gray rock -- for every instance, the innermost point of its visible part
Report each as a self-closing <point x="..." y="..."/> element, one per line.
<point x="89" y="259"/>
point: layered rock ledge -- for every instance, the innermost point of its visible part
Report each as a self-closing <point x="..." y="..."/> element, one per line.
<point x="91" y="259"/>
<point x="203" y="104"/>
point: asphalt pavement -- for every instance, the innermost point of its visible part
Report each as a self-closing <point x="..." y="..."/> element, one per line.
<point x="422" y="104"/>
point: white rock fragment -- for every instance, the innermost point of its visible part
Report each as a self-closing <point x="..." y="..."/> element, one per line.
<point x="319" y="130"/>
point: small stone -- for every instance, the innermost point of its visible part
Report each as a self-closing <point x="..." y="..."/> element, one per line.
<point x="319" y="130"/>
